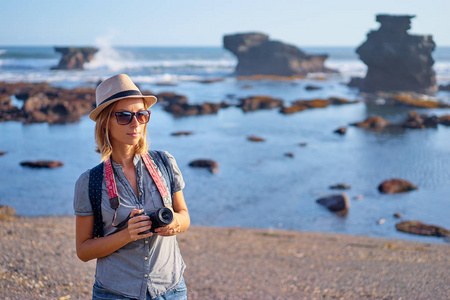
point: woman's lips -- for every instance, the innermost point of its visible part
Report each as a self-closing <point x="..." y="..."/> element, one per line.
<point x="134" y="134"/>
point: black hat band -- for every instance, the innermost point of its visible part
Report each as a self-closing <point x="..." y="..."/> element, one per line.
<point x="121" y="95"/>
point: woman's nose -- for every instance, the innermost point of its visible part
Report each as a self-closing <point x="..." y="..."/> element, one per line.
<point x="134" y="121"/>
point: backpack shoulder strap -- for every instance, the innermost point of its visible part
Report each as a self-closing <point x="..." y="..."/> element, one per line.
<point x="162" y="161"/>
<point x="95" y="197"/>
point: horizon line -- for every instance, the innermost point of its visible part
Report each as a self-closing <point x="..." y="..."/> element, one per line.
<point x="169" y="46"/>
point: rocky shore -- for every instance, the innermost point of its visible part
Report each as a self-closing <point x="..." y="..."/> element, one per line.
<point x="38" y="261"/>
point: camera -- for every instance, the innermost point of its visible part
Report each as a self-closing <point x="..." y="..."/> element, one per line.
<point x="160" y="217"/>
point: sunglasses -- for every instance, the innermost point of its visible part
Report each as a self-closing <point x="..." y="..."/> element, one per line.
<point x="125" y="117"/>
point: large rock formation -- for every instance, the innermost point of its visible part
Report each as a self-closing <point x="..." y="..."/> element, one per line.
<point x="73" y="58"/>
<point x="257" y="55"/>
<point x="396" y="60"/>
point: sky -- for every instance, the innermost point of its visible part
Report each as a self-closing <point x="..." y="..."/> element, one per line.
<point x="205" y="22"/>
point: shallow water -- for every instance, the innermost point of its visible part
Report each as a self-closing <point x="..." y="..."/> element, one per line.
<point x="256" y="186"/>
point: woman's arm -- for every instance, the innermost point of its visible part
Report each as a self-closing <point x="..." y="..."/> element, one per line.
<point x="181" y="219"/>
<point x="89" y="248"/>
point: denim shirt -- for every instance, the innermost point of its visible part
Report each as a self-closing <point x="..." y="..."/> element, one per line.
<point x="152" y="264"/>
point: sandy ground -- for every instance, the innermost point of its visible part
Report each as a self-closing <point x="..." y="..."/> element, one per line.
<point x="38" y="261"/>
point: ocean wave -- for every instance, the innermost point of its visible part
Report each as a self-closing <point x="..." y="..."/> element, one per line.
<point x="27" y="64"/>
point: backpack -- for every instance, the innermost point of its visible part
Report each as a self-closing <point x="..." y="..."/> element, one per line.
<point x="95" y="186"/>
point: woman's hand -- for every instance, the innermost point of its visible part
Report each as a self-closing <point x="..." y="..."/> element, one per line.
<point x="181" y="220"/>
<point x="138" y="224"/>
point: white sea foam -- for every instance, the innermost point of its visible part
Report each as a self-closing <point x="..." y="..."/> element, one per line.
<point x="107" y="57"/>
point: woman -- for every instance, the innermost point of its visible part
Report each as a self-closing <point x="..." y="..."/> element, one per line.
<point x="132" y="262"/>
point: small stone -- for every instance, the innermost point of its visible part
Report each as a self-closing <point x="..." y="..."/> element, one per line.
<point x="179" y="133"/>
<point x="381" y="221"/>
<point x="255" y="139"/>
<point x="341" y="130"/>
<point x="397" y="215"/>
<point x="340" y="186"/>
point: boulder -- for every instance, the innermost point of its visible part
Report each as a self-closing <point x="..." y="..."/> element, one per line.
<point x="372" y="123"/>
<point x="416" y="121"/>
<point x="171" y="98"/>
<point x="8" y="112"/>
<point x="257" y="54"/>
<point x="253" y="103"/>
<point x="341" y="101"/>
<point x="178" y="105"/>
<point x="300" y="105"/>
<point x="338" y="203"/>
<point x="396" y="60"/>
<point x="416" y="227"/>
<point x="409" y="99"/>
<point x="209" y="164"/>
<point x="395" y="185"/>
<point x="49" y="164"/>
<point x="292" y="109"/>
<point x="316" y="103"/>
<point x="183" y="110"/>
<point x="74" y="58"/>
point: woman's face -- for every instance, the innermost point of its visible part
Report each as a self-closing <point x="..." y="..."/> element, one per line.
<point x="126" y="134"/>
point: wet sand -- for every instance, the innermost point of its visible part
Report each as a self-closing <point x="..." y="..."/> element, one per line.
<point x="38" y="261"/>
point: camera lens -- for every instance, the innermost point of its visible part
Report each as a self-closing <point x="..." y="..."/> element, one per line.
<point x="165" y="215"/>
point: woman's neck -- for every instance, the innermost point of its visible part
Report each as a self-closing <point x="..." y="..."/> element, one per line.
<point x="123" y="155"/>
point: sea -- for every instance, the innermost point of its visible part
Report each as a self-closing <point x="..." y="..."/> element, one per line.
<point x="257" y="185"/>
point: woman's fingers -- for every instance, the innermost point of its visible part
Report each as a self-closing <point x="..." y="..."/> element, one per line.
<point x="139" y="224"/>
<point x="171" y="229"/>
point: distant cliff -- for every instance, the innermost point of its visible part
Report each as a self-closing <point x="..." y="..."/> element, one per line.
<point x="396" y="60"/>
<point x="257" y="55"/>
<point x="74" y="58"/>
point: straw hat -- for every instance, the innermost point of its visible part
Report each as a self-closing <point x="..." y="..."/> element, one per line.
<point x="114" y="89"/>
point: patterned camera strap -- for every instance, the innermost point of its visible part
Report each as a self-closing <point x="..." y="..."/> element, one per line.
<point x="114" y="199"/>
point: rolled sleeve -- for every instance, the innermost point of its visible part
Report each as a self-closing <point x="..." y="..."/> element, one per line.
<point x="81" y="204"/>
<point x="177" y="176"/>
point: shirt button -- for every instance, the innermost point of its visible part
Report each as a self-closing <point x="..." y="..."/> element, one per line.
<point x="145" y="275"/>
<point x="145" y="258"/>
<point x="146" y="242"/>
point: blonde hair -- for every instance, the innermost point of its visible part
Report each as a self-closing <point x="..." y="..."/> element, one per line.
<point x="104" y="146"/>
